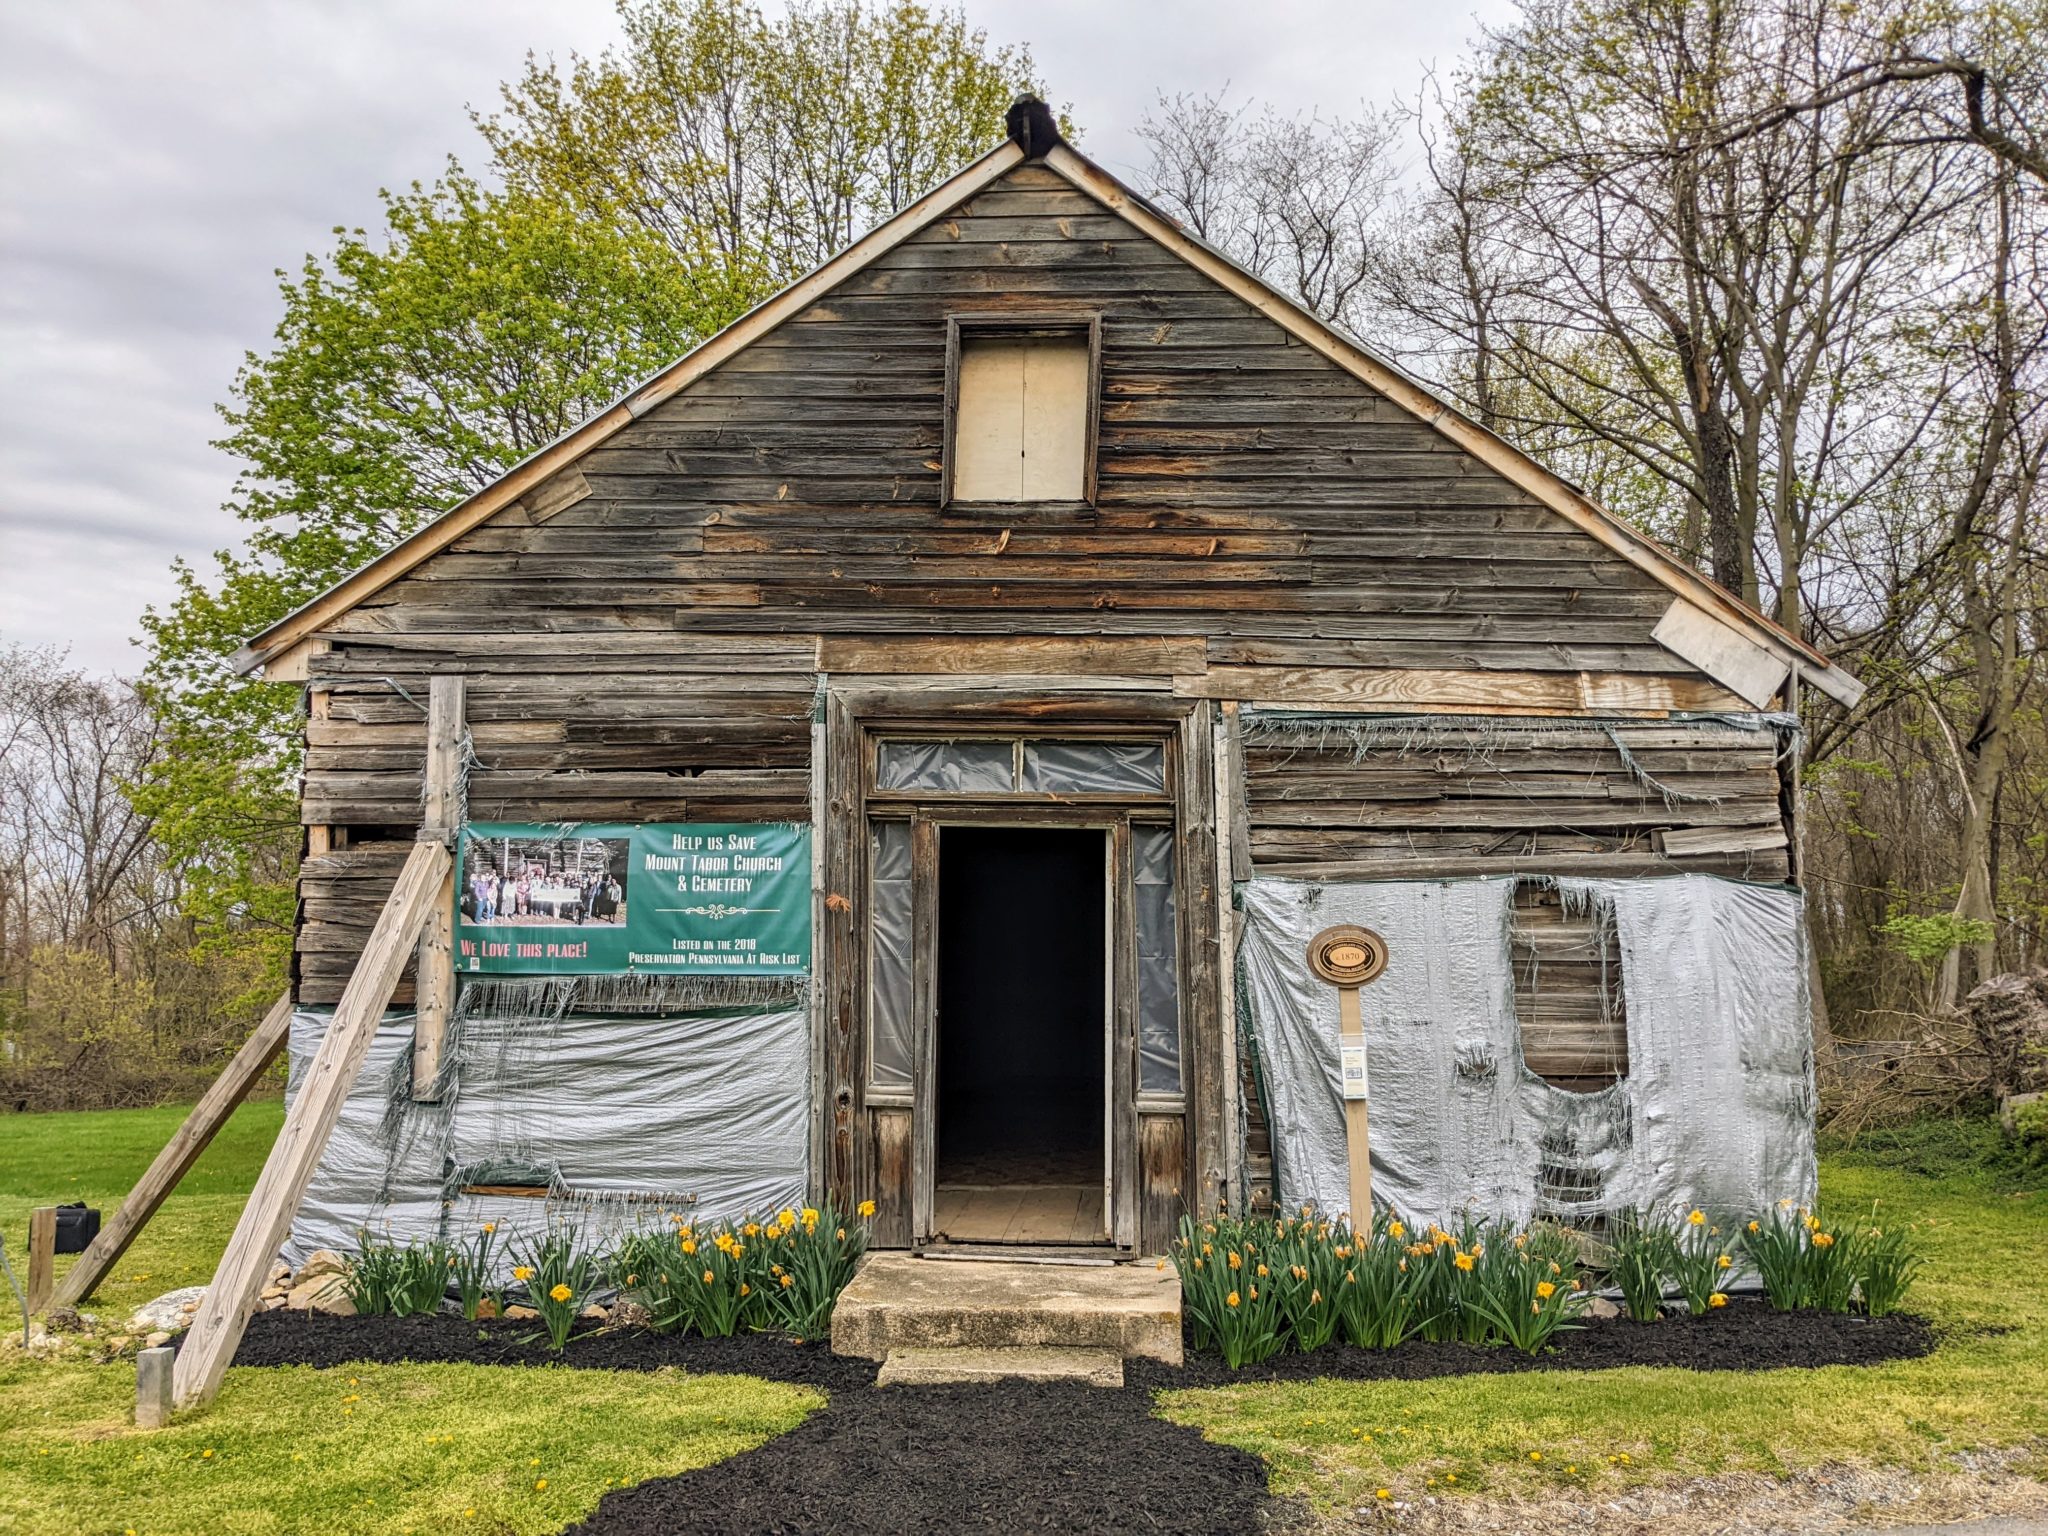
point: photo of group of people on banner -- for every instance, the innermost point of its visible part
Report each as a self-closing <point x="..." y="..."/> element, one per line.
<point x="553" y="881"/>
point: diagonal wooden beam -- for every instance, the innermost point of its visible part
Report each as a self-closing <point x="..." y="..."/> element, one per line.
<point x="224" y="1312"/>
<point x="192" y="1138"/>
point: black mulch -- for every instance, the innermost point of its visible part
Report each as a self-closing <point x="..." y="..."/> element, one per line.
<point x="1018" y="1456"/>
<point x="315" y="1338"/>
<point x="1009" y="1457"/>
<point x="1743" y="1336"/>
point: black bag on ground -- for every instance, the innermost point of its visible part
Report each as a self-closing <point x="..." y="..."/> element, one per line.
<point x="77" y="1226"/>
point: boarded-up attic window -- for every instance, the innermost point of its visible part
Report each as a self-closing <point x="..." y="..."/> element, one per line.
<point x="1568" y="992"/>
<point x="1023" y="412"/>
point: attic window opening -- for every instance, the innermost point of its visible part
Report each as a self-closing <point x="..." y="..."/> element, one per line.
<point x="1021" y="408"/>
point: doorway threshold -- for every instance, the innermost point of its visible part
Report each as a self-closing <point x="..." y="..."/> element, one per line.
<point x="1099" y="1256"/>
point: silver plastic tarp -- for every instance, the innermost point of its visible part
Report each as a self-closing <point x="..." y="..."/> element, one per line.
<point x="1716" y="1109"/>
<point x="625" y="1118"/>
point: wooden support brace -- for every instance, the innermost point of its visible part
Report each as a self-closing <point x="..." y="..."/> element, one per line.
<point x="192" y="1138"/>
<point x="42" y="1255"/>
<point x="434" y="983"/>
<point x="260" y="1232"/>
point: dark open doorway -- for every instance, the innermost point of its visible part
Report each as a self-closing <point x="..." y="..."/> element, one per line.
<point x="1021" y="1035"/>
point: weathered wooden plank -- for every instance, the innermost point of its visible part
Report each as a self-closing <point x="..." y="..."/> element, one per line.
<point x="224" y="1312"/>
<point x="1068" y="656"/>
<point x="442" y="815"/>
<point x="192" y="1137"/>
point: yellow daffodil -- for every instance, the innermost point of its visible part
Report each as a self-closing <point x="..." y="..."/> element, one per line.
<point x="522" y="1274"/>
<point x="490" y="1226"/>
<point x="1464" y="1261"/>
<point x="1545" y="1290"/>
<point x="561" y="1293"/>
<point x="1396" y="1231"/>
<point x="1235" y="1261"/>
<point x="1717" y="1300"/>
<point x="866" y="1209"/>
<point x="1698" y="1218"/>
<point x="709" y="1277"/>
<point x="1231" y="1300"/>
<point x="1724" y="1262"/>
<point x="1823" y="1240"/>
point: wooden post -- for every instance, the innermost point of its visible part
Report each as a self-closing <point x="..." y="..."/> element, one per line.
<point x="1357" y="1140"/>
<point x="153" y="1387"/>
<point x="42" y="1255"/>
<point x="1347" y="957"/>
<point x="179" y="1154"/>
<point x="434" y="980"/>
<point x="224" y="1311"/>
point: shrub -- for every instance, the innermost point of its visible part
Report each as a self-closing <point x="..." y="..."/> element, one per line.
<point x="473" y="1270"/>
<point x="559" y="1276"/>
<point x="384" y="1278"/>
<point x="1702" y="1263"/>
<point x="1645" y="1250"/>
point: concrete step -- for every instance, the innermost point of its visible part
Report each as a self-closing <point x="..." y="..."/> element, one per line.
<point x="898" y="1301"/>
<point x="933" y="1367"/>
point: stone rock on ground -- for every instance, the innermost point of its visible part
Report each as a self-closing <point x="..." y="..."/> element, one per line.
<point x="320" y="1263"/>
<point x="168" y="1312"/>
<point x="321" y="1293"/>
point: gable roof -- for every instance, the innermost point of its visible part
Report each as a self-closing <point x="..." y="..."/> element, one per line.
<point x="1707" y="627"/>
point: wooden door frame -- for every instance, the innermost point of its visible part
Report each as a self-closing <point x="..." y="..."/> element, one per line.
<point x="848" y="1132"/>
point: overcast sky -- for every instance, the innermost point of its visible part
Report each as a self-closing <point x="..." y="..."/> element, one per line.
<point x="160" y="158"/>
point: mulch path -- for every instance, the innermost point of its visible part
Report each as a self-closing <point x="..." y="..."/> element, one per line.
<point x="1023" y="1456"/>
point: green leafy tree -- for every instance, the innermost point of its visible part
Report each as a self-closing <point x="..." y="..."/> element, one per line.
<point x="410" y="370"/>
<point x="757" y="148"/>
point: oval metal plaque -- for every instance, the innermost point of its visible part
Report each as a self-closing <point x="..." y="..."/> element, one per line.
<point x="1347" y="955"/>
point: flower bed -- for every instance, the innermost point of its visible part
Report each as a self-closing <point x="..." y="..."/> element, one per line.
<point x="1254" y="1288"/>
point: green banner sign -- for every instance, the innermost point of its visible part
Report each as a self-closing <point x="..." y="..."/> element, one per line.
<point x="712" y="899"/>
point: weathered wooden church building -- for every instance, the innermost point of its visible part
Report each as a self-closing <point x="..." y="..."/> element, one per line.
<point x="903" y="749"/>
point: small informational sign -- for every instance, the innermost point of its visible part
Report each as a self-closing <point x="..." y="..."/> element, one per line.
<point x="702" y="899"/>
<point x="1352" y="1062"/>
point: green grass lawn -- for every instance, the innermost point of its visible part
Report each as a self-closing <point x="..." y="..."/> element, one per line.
<point x="394" y="1448"/>
<point x="374" y="1448"/>
<point x="98" y="1156"/>
<point x="1985" y="1234"/>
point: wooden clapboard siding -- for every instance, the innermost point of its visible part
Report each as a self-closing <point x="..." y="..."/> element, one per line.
<point x="1568" y="993"/>
<point x="642" y="631"/>
<point x="1554" y="801"/>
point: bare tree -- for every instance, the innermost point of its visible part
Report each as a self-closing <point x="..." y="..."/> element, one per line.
<point x="1296" y="200"/>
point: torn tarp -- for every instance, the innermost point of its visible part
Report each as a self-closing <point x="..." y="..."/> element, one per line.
<point x="623" y="1118"/>
<point x="1716" y="1109"/>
